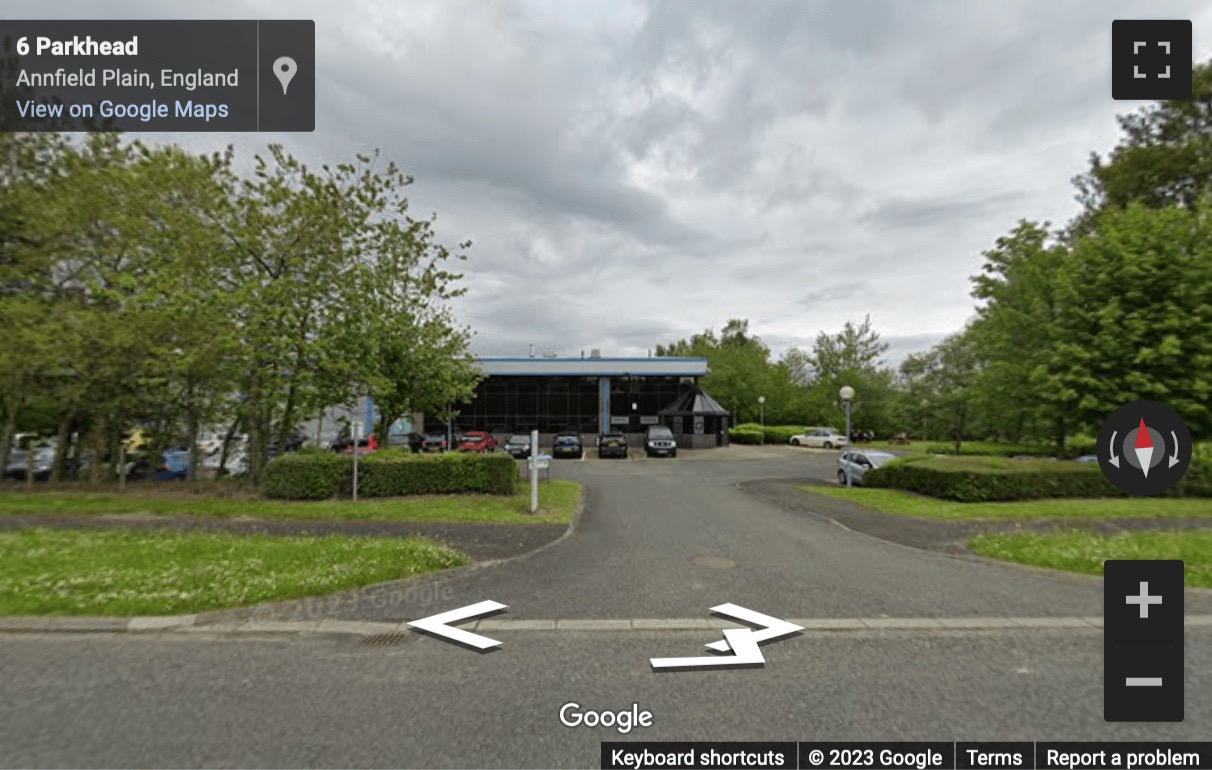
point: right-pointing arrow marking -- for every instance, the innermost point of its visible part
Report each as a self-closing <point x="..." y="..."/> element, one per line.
<point x="774" y="628"/>
<point x="745" y="653"/>
<point x="437" y="624"/>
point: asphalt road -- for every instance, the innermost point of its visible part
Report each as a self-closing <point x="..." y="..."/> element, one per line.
<point x="659" y="540"/>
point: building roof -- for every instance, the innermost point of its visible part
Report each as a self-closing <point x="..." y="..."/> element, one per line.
<point x="659" y="366"/>
<point x="695" y="401"/>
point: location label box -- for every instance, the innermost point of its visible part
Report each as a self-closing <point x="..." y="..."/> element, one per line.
<point x="1143" y="640"/>
<point x="164" y="76"/>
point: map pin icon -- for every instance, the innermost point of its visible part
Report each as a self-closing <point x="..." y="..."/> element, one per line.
<point x="285" y="68"/>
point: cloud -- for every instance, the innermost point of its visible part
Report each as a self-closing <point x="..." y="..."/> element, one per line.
<point x="632" y="173"/>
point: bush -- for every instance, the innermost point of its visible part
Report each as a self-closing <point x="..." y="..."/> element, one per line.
<point x="988" y="479"/>
<point x="308" y="475"/>
<point x="389" y="473"/>
<point x="781" y="434"/>
<point x="745" y="435"/>
<point x="992" y="449"/>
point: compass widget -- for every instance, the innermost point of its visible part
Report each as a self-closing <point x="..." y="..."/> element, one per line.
<point x="1144" y="448"/>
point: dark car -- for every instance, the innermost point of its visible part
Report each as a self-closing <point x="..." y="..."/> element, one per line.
<point x="567" y="444"/>
<point x="612" y="445"/>
<point x="476" y="441"/>
<point x="660" y="441"/>
<point x="435" y="442"/>
<point x="518" y="445"/>
<point x="414" y="441"/>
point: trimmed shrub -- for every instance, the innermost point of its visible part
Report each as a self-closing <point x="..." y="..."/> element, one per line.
<point x="745" y="435"/>
<point x="991" y="449"/>
<point x="989" y="479"/>
<point x="781" y="434"/>
<point x="308" y="475"/>
<point x="389" y="473"/>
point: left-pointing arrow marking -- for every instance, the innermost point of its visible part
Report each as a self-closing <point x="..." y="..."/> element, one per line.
<point x="437" y="624"/>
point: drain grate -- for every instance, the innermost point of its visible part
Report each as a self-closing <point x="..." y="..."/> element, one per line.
<point x="378" y="640"/>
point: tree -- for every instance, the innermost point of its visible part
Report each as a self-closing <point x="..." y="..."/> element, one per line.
<point x="1015" y="333"/>
<point x="1136" y="314"/>
<point x="740" y="371"/>
<point x="853" y="356"/>
<point x="1163" y="159"/>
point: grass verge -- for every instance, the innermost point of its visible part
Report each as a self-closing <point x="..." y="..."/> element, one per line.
<point x="63" y="572"/>
<point x="909" y="504"/>
<point x="558" y="500"/>
<point x="1079" y="551"/>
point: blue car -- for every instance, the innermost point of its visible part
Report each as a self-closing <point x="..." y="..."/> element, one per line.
<point x="175" y="466"/>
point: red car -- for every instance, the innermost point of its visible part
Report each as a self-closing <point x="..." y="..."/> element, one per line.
<point x="476" y="441"/>
<point x="365" y="445"/>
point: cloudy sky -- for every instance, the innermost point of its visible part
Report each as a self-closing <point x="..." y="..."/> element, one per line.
<point x="635" y="172"/>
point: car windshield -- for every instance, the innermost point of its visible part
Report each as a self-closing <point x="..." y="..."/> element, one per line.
<point x="660" y="433"/>
<point x="471" y="438"/>
<point x="519" y="439"/>
<point x="566" y="439"/>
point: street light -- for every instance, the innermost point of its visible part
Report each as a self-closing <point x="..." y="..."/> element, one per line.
<point x="762" y="407"/>
<point x="847" y="394"/>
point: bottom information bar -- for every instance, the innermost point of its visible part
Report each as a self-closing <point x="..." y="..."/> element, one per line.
<point x="924" y="755"/>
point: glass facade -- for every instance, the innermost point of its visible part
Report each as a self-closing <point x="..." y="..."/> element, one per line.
<point x="509" y="404"/>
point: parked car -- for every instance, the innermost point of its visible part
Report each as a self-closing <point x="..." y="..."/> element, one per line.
<point x="174" y="465"/>
<point x="18" y="465"/>
<point x="435" y="442"/>
<point x="826" y="438"/>
<point x="612" y="445"/>
<point x="518" y="445"/>
<point x="414" y="441"/>
<point x="859" y="463"/>
<point x="659" y="440"/>
<point x="365" y="445"/>
<point x="567" y="444"/>
<point x="476" y="441"/>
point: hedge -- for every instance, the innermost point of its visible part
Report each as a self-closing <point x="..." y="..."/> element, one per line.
<point x="320" y="476"/>
<point x="745" y="435"/>
<point x="979" y="479"/>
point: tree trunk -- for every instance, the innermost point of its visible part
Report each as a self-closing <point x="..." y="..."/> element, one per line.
<point x="61" y="447"/>
<point x="10" y="423"/>
<point x="97" y="469"/>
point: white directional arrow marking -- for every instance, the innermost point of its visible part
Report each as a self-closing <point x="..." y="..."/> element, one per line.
<point x="775" y="628"/>
<point x="437" y="624"/>
<point x="1114" y="457"/>
<point x="1174" y="458"/>
<point x="743" y="643"/>
<point x="1144" y="454"/>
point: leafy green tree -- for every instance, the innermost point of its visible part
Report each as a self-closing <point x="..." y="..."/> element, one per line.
<point x="1015" y="333"/>
<point x="853" y="356"/>
<point x="1136" y="314"/>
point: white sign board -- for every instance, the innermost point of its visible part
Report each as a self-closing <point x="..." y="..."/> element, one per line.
<point x="620" y="420"/>
<point x="541" y="462"/>
<point x="650" y="420"/>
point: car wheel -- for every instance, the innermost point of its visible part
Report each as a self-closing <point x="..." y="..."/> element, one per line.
<point x="841" y="478"/>
<point x="795" y="442"/>
<point x="674" y="453"/>
<point x="829" y="445"/>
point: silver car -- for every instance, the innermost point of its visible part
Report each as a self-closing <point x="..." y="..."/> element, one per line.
<point x="858" y="463"/>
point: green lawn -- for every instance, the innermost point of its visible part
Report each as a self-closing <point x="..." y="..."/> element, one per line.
<point x="909" y="504"/>
<point x="164" y="573"/>
<point x="1078" y="551"/>
<point x="558" y="500"/>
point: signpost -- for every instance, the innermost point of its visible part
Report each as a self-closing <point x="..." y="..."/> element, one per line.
<point x="357" y="436"/>
<point x="534" y="471"/>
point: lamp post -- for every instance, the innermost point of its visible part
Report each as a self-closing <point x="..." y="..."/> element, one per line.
<point x="762" y="410"/>
<point x="847" y="394"/>
<point x="357" y="438"/>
